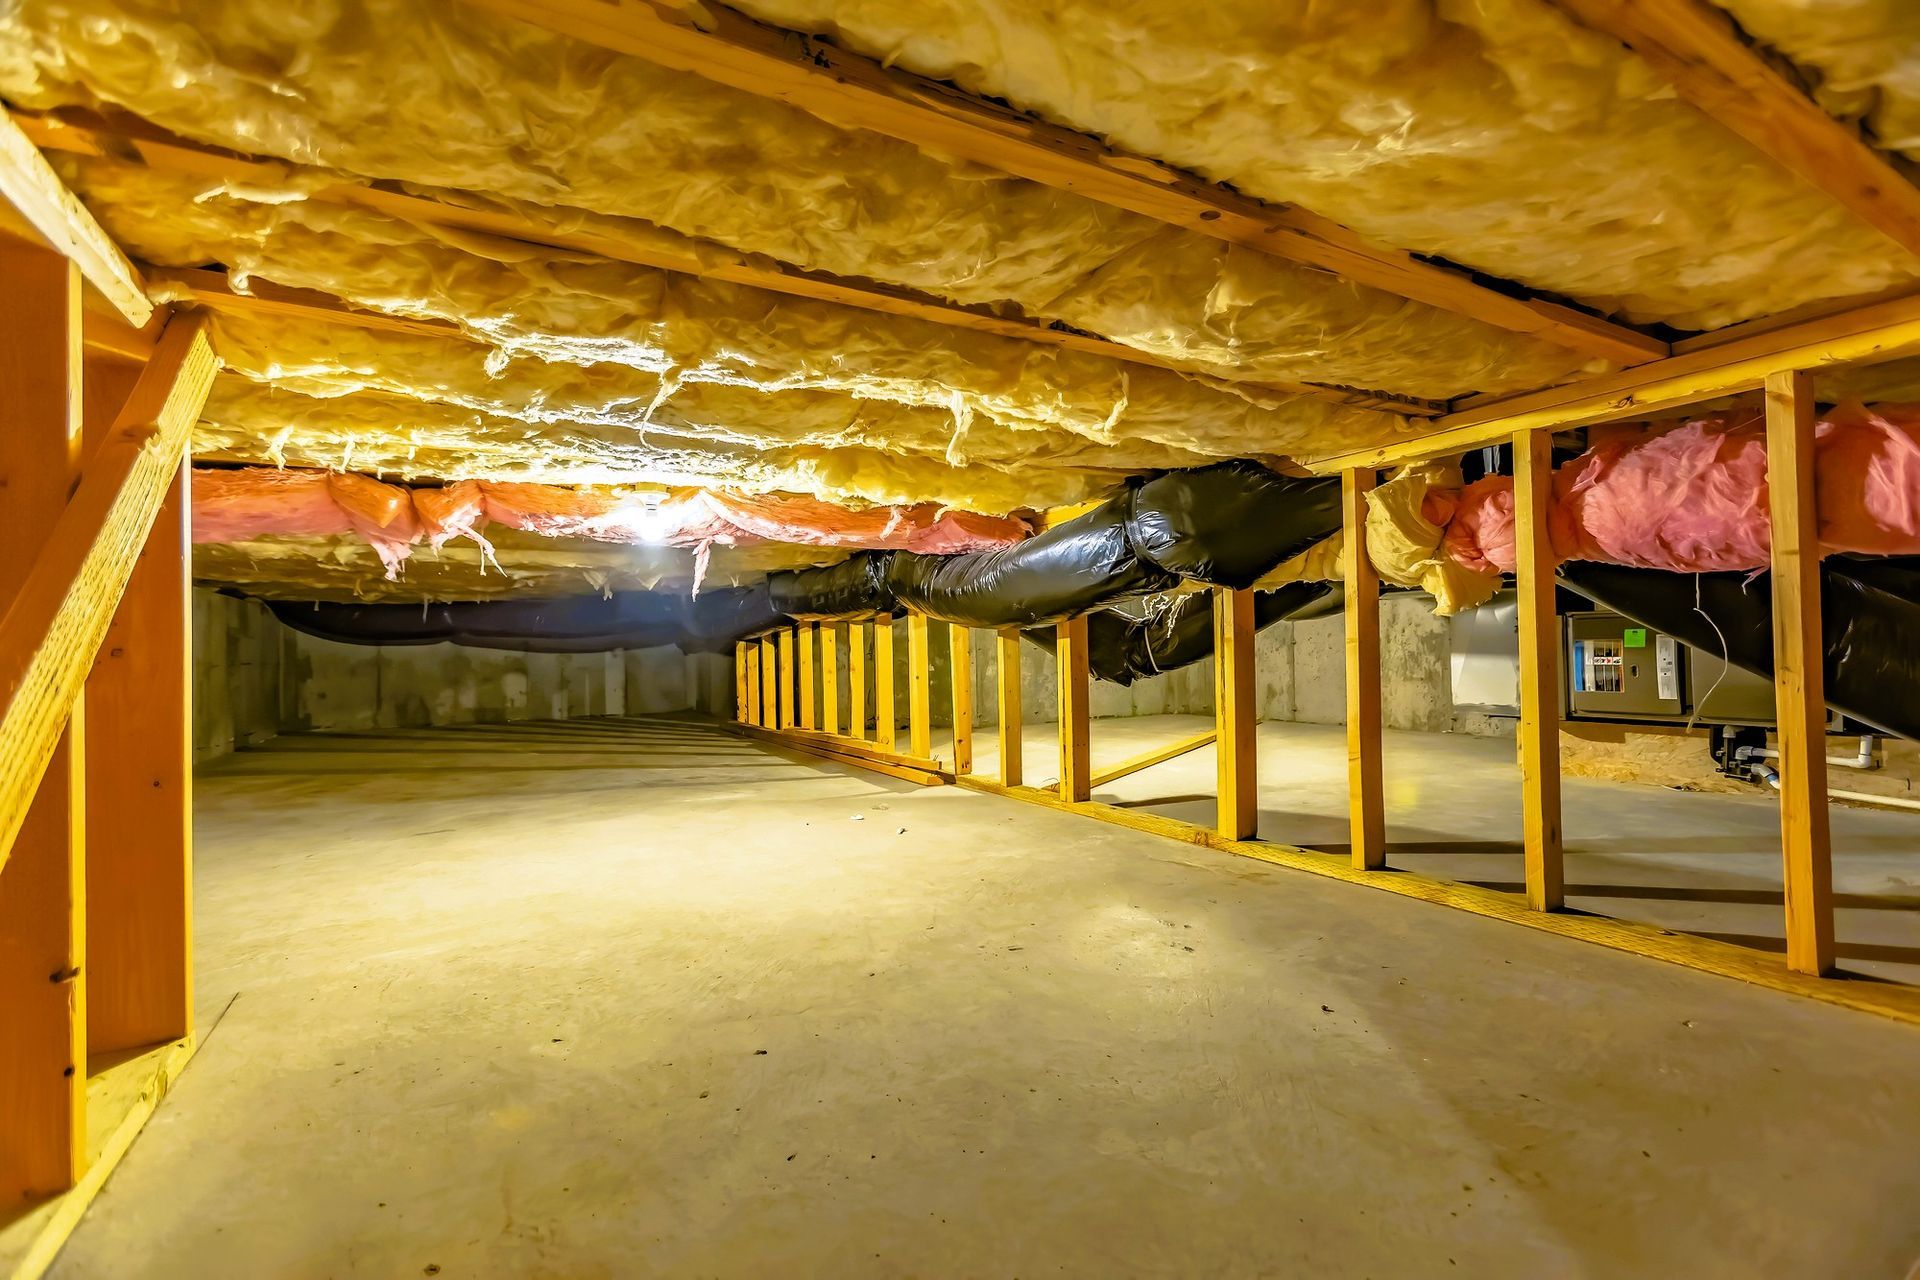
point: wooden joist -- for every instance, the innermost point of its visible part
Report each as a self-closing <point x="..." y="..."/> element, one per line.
<point x="53" y="629"/>
<point x="84" y="135"/>
<point x="1698" y="49"/>
<point x="1708" y="369"/>
<point x="34" y="203"/>
<point x="852" y="91"/>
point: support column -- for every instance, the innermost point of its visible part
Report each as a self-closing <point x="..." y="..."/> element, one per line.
<point x="750" y="686"/>
<point x="960" y="648"/>
<point x="1366" y="806"/>
<point x="769" y="684"/>
<point x="804" y="675"/>
<point x="1798" y="678"/>
<point x="830" y="677"/>
<point x="1539" y="670"/>
<point x="886" y="725"/>
<point x="1235" y="754"/>
<point x="1070" y="653"/>
<point x="919" y="687"/>
<point x="139" y="785"/>
<point x="857" y="680"/>
<point x="43" y="1009"/>
<point x="740" y="711"/>
<point x="1007" y="646"/>
<point x="783" y="642"/>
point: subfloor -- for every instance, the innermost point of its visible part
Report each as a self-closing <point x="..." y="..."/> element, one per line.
<point x="604" y="999"/>
<point x="1701" y="864"/>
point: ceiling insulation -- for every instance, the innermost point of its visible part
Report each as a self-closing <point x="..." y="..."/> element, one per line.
<point x="1865" y="53"/>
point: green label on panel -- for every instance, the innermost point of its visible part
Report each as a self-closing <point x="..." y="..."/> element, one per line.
<point x="1635" y="638"/>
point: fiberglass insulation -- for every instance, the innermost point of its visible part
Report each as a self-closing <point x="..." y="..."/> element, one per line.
<point x="490" y="105"/>
<point x="1865" y="53"/>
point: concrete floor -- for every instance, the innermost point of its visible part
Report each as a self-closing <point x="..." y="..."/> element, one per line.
<point x="597" y="1000"/>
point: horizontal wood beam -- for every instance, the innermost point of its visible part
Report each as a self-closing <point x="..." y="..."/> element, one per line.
<point x="1698" y="49"/>
<point x="84" y="135"/>
<point x="34" y="203"/>
<point x="1867" y="335"/>
<point x="852" y="91"/>
<point x="54" y="627"/>
<point x="1159" y="755"/>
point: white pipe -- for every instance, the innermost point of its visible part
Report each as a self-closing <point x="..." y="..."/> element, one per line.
<point x="1771" y="776"/>
<point x="1863" y="760"/>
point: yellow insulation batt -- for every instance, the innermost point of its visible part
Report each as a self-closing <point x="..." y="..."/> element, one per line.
<point x="405" y="438"/>
<point x="439" y="93"/>
<point x="1495" y="133"/>
<point x="1865" y="53"/>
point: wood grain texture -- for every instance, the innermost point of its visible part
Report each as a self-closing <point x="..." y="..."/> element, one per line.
<point x="34" y="203"/>
<point x="1007" y="690"/>
<point x="1798" y="676"/>
<point x="857" y="680"/>
<point x="769" y="684"/>
<point x="1237" y="762"/>
<point x="1539" y="672"/>
<point x="805" y="674"/>
<point x="789" y="702"/>
<point x="886" y="717"/>
<point x="830" y="677"/>
<point x="1366" y="795"/>
<point x="1159" y="755"/>
<point x="1070" y="662"/>
<point x="960" y="652"/>
<point x="919" y="686"/>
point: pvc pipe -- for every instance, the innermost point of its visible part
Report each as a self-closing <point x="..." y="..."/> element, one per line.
<point x="1863" y="760"/>
<point x="1771" y="776"/>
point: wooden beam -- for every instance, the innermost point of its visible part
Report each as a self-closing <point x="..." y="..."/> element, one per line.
<point x="1798" y="677"/>
<point x="1699" y="50"/>
<point x="830" y="677"/>
<point x="960" y="650"/>
<point x="1366" y="796"/>
<point x="78" y="133"/>
<point x="857" y="680"/>
<point x="859" y="754"/>
<point x="1159" y="755"/>
<point x="746" y="683"/>
<point x="1070" y="671"/>
<point x="1007" y="691"/>
<point x="1866" y="335"/>
<point x="886" y="720"/>
<point x="769" y="684"/>
<point x="34" y="203"/>
<point x="1237" y="762"/>
<point x="1539" y="671"/>
<point x="804" y="675"/>
<point x="139" y="767"/>
<point x="851" y="91"/>
<point x="789" y="701"/>
<point x="919" y="686"/>
<point x="43" y="1047"/>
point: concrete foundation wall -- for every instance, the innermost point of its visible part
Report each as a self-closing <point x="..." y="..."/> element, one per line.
<point x="239" y="665"/>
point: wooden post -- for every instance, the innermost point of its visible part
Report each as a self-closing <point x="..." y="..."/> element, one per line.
<point x="919" y="687"/>
<point x="1539" y="670"/>
<point x="140" y="776"/>
<point x="1235" y="754"/>
<point x="769" y="684"/>
<point x="1070" y="653"/>
<point x="1007" y="643"/>
<point x="783" y="641"/>
<point x="857" y="680"/>
<point x="1798" y="678"/>
<point x="740" y="700"/>
<point x="750" y="696"/>
<point x="960" y="648"/>
<point x="804" y="675"/>
<point x="830" y="677"/>
<point x="1366" y="806"/>
<point x="886" y="726"/>
<point x="43" y="1011"/>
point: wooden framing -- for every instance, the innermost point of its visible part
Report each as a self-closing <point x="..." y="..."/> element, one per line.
<point x="1007" y="685"/>
<point x="1697" y="47"/>
<point x="804" y="674"/>
<point x="749" y="657"/>
<point x="36" y="205"/>
<point x="1366" y="795"/>
<point x="769" y="684"/>
<point x="75" y="132"/>
<point x="960" y="653"/>
<point x="851" y="91"/>
<point x="857" y="680"/>
<point x="783" y="646"/>
<point x="1070" y="671"/>
<point x="1539" y="671"/>
<point x="1159" y="755"/>
<point x="886" y="719"/>
<point x="1237" y="788"/>
<point x="863" y="755"/>
<point x="919" y="686"/>
<point x="1799" y="695"/>
<point x="830" y="678"/>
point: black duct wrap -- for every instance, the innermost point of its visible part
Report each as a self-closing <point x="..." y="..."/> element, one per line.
<point x="1230" y="524"/>
<point x="723" y="615"/>
<point x="857" y="587"/>
<point x="1870" y="623"/>
<point x="1177" y="632"/>
<point x="587" y="624"/>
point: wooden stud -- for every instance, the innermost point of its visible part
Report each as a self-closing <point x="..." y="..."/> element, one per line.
<point x="1237" y="774"/>
<point x="830" y="677"/>
<point x="769" y="684"/>
<point x="789" y="702"/>
<point x="886" y="721"/>
<point x="1539" y="671"/>
<point x="805" y="675"/>
<point x="852" y="91"/>
<point x="140" y="775"/>
<point x="1798" y="677"/>
<point x="750" y="687"/>
<point x="1159" y="755"/>
<point x="34" y="203"/>
<point x="739" y="682"/>
<point x="1070" y="661"/>
<point x="1007" y="687"/>
<point x="960" y="647"/>
<point x="857" y="680"/>
<point x="43" y="1019"/>
<point x="1366" y="801"/>
<point x="919" y="686"/>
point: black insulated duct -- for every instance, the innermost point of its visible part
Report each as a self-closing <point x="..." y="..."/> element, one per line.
<point x="1177" y="631"/>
